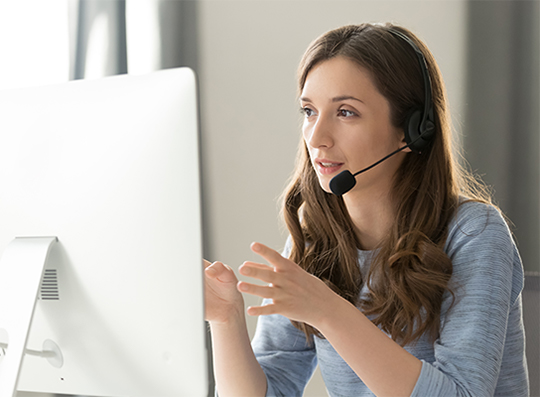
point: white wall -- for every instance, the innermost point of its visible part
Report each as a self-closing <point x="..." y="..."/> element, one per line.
<point x="249" y="51"/>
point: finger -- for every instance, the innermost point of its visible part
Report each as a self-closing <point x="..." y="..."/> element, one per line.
<point x="213" y="269"/>
<point x="256" y="290"/>
<point x="258" y="265"/>
<point x="259" y="271"/>
<point x="220" y="271"/>
<point x="206" y="263"/>
<point x="267" y="309"/>
<point x="270" y="255"/>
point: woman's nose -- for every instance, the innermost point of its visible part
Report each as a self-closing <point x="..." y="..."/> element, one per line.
<point x="320" y="133"/>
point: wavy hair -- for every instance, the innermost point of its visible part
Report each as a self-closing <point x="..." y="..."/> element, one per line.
<point x="410" y="271"/>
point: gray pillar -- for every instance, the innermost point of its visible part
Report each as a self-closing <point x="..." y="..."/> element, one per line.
<point x="502" y="132"/>
<point x="502" y="127"/>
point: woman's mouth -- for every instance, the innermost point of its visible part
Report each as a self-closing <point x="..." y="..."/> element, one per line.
<point x="327" y="167"/>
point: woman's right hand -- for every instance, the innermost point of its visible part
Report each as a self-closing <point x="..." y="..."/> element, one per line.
<point x="222" y="299"/>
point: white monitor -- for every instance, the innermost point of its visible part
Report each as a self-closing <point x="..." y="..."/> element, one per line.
<point x="111" y="168"/>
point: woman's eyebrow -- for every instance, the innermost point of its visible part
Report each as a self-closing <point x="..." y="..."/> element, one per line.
<point x="346" y="97"/>
<point x="335" y="99"/>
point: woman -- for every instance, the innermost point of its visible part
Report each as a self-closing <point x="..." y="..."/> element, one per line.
<point x="407" y="284"/>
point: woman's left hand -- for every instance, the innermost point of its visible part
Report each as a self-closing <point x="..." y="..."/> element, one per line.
<point x="296" y="294"/>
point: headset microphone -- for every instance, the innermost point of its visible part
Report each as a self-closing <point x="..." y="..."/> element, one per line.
<point x="345" y="181"/>
<point x="419" y="127"/>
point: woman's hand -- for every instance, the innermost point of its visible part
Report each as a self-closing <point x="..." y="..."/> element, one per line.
<point x="222" y="300"/>
<point x="296" y="294"/>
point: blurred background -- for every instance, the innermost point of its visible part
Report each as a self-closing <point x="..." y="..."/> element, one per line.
<point x="245" y="54"/>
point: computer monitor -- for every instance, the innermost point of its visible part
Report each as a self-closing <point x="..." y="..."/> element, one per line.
<point x="109" y="167"/>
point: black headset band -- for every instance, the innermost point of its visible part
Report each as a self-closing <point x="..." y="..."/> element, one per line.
<point x="428" y="102"/>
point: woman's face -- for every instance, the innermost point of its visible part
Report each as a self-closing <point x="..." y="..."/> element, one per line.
<point x="347" y="125"/>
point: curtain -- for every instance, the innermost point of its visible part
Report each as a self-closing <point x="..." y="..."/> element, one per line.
<point x="97" y="38"/>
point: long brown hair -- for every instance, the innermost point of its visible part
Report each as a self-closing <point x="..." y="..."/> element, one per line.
<point x="410" y="271"/>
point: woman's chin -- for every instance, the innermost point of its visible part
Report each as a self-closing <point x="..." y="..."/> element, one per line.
<point x="324" y="183"/>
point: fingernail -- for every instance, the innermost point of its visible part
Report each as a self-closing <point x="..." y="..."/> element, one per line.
<point x="243" y="287"/>
<point x="211" y="271"/>
<point x="245" y="270"/>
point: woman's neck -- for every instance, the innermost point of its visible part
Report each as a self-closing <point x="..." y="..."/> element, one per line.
<point x="372" y="216"/>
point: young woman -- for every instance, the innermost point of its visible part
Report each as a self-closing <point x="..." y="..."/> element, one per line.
<point x="407" y="284"/>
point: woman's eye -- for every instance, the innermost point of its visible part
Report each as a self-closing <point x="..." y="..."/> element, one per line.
<point x="307" y="111"/>
<point x="346" y="113"/>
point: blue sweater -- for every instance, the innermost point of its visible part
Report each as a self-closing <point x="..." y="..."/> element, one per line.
<point x="481" y="347"/>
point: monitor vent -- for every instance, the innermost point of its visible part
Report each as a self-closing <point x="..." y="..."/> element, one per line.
<point x="49" y="285"/>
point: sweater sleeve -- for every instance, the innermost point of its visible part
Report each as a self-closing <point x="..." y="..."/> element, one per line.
<point x="487" y="280"/>
<point x="286" y="357"/>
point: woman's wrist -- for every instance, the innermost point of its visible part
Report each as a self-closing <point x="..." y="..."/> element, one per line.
<point x="235" y="318"/>
<point x="334" y="308"/>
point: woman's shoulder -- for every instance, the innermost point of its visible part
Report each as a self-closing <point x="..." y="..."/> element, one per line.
<point x="482" y="248"/>
<point x="473" y="218"/>
<point x="478" y="224"/>
<point x="478" y="229"/>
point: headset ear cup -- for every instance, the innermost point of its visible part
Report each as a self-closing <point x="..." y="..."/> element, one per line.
<point x="412" y="131"/>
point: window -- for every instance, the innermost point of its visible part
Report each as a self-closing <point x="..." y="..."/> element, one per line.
<point x="34" y="44"/>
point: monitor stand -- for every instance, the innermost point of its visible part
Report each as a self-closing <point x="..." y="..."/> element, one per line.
<point x="21" y="269"/>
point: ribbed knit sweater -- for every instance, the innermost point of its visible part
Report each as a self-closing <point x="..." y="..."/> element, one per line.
<point x="481" y="347"/>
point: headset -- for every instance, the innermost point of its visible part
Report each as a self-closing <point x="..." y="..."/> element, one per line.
<point x="419" y="128"/>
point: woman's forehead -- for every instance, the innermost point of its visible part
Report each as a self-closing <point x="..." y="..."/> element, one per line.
<point x="337" y="76"/>
<point x="338" y="79"/>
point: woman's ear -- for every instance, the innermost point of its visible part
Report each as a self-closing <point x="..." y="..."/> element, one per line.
<point x="403" y="141"/>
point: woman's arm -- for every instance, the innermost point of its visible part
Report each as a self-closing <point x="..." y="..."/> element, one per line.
<point x="236" y="369"/>
<point x="383" y="365"/>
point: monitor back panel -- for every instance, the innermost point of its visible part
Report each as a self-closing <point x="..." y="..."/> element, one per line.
<point x="110" y="167"/>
